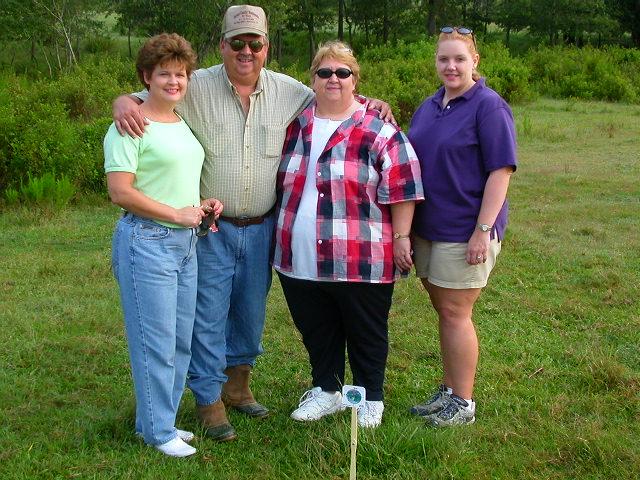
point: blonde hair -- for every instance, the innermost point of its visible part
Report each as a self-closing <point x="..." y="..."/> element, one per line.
<point x="338" y="51"/>
<point x="469" y="40"/>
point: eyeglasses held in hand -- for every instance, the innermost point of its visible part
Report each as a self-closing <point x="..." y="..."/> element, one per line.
<point x="208" y="224"/>
<point x="236" y="44"/>
<point x="460" y="30"/>
<point x="341" y="73"/>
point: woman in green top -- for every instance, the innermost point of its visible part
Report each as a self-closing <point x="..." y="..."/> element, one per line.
<point x="156" y="180"/>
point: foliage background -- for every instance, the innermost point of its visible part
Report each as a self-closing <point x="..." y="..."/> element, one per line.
<point x="67" y="59"/>
<point x="559" y="377"/>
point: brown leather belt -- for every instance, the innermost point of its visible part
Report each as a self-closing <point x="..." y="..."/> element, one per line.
<point x="246" y="221"/>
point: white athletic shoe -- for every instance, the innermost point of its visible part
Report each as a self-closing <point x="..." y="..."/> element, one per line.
<point x="370" y="414"/>
<point x="315" y="404"/>
<point x="185" y="436"/>
<point x="176" y="448"/>
<point x="457" y="411"/>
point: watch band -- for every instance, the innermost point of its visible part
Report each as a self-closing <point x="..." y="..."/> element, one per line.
<point x="397" y="235"/>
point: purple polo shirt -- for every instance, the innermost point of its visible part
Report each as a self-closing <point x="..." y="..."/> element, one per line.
<point x="458" y="146"/>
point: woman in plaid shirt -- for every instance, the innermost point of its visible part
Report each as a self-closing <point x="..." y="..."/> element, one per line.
<point x="347" y="186"/>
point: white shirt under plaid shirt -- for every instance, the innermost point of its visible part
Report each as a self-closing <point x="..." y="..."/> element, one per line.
<point x="242" y="152"/>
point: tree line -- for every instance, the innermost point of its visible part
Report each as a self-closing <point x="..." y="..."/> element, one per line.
<point x="57" y="28"/>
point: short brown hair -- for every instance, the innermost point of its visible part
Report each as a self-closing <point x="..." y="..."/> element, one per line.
<point x="339" y="51"/>
<point x="162" y="49"/>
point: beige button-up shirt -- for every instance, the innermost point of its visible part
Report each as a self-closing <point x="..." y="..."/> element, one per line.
<point x="242" y="152"/>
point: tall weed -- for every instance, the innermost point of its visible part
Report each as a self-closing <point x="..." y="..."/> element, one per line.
<point x="47" y="191"/>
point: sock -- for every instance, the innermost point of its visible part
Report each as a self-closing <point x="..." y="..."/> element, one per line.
<point x="471" y="403"/>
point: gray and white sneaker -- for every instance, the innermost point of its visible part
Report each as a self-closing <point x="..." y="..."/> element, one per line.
<point x="370" y="414"/>
<point x="434" y="404"/>
<point x="457" y="411"/>
<point x="316" y="403"/>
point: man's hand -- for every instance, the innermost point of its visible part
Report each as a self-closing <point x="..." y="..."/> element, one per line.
<point x="128" y="117"/>
<point x="385" y="110"/>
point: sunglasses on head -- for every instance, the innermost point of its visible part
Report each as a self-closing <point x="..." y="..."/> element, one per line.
<point x="460" y="30"/>
<point x="236" y="44"/>
<point x="341" y="73"/>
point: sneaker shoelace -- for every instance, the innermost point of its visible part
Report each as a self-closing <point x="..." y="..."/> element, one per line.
<point x="307" y="397"/>
<point x="452" y="407"/>
<point x="442" y="390"/>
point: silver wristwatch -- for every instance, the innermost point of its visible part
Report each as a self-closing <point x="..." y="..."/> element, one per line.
<point x="484" y="227"/>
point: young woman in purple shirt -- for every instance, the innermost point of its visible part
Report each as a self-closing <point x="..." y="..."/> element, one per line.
<point x="464" y="136"/>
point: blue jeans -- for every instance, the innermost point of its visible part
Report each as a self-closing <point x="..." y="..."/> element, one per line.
<point x="156" y="269"/>
<point x="233" y="282"/>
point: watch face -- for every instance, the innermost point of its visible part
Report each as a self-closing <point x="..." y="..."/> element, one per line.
<point x="484" y="227"/>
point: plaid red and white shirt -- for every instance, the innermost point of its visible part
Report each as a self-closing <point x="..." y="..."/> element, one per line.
<point x="366" y="165"/>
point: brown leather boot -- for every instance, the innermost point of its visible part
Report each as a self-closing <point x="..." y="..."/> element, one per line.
<point x="214" y="419"/>
<point x="237" y="394"/>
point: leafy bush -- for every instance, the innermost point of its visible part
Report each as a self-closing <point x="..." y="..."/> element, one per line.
<point x="58" y="125"/>
<point x="588" y="73"/>
<point x="101" y="44"/>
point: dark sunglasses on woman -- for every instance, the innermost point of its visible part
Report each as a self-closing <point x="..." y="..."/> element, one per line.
<point x="341" y="73"/>
<point x="236" y="44"/>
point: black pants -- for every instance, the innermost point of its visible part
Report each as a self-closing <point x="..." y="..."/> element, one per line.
<point x="332" y="315"/>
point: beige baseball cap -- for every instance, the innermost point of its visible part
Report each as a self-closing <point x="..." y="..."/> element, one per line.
<point x="241" y="19"/>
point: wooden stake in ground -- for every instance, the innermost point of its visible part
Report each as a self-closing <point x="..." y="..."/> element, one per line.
<point x="353" y="397"/>
<point x="354" y="442"/>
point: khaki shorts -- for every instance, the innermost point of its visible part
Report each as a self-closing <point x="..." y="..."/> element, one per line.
<point x="444" y="264"/>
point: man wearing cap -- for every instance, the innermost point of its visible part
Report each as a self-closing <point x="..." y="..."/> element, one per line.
<point x="239" y="111"/>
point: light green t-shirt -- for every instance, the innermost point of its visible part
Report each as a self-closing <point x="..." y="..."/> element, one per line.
<point x="166" y="161"/>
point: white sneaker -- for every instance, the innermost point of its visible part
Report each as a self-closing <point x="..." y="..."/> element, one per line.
<point x="176" y="448"/>
<point x="315" y="404"/>
<point x="370" y="414"/>
<point x="185" y="436"/>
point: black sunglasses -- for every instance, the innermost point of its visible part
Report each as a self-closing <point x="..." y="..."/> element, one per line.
<point x="236" y="44"/>
<point x="341" y="73"/>
<point x="460" y="30"/>
<point x="205" y="226"/>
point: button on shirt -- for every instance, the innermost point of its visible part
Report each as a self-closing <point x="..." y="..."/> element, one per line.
<point x="458" y="147"/>
<point x="242" y="151"/>
<point x="366" y="165"/>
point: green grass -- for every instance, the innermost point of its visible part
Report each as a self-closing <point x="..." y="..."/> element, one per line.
<point x="559" y="375"/>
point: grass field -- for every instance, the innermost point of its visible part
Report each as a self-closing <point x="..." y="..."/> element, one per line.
<point x="559" y="325"/>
